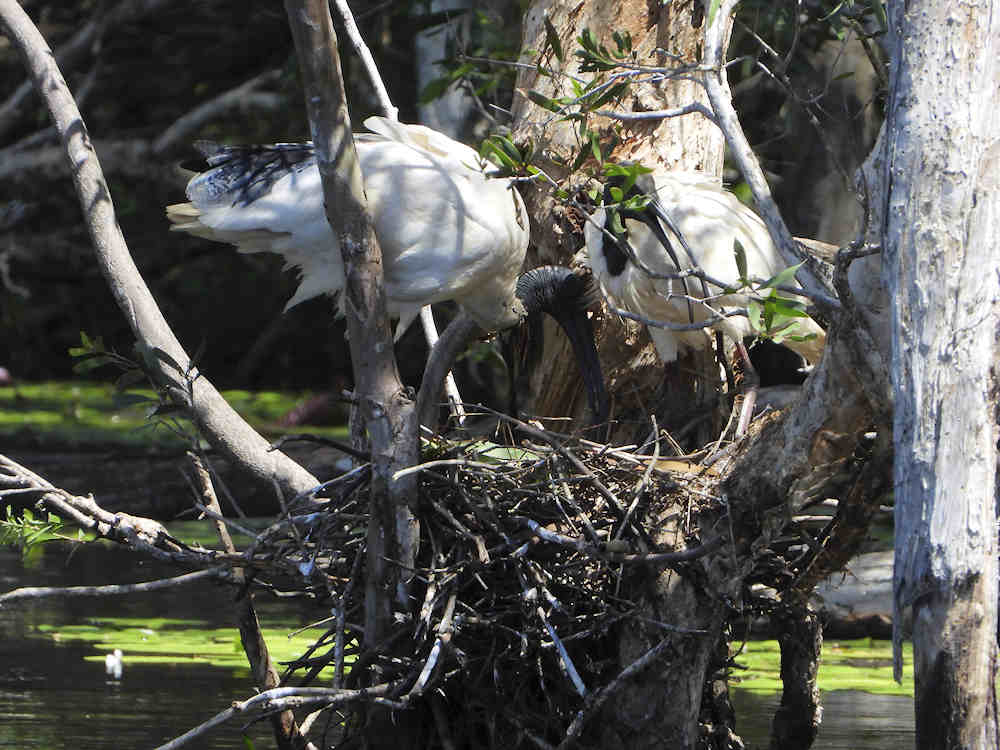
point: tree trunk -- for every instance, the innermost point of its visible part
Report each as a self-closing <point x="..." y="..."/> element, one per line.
<point x="941" y="257"/>
<point x="690" y="142"/>
<point x="661" y="707"/>
<point x="388" y="416"/>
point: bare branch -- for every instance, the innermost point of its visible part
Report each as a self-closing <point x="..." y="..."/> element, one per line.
<point x="358" y="42"/>
<point x="388" y="416"/>
<point x="658" y="114"/>
<point x="32" y="593"/>
<point x="717" y="88"/>
<point x="280" y="699"/>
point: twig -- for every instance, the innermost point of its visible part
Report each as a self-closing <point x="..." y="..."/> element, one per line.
<point x="254" y="645"/>
<point x="80" y="44"/>
<point x="43" y="592"/>
<point x="338" y="648"/>
<point x="358" y="42"/>
<point x="717" y="89"/>
<point x="667" y="558"/>
<point x="601" y="696"/>
<point x="658" y="114"/>
<point x="388" y="110"/>
<point x="281" y="699"/>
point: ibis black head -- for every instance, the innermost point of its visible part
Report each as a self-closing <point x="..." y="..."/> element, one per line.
<point x="652" y="214"/>
<point x="566" y="296"/>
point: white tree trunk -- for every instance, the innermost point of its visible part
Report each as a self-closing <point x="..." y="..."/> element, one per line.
<point x="942" y="254"/>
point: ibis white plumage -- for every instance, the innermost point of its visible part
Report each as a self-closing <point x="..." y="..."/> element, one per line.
<point x="447" y="230"/>
<point x="689" y="222"/>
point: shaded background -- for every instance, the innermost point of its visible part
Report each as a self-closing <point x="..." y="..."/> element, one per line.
<point x="153" y="62"/>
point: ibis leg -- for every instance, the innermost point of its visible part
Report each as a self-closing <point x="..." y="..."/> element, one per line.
<point x="751" y="384"/>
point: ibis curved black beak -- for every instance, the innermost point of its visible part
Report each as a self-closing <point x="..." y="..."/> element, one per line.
<point x="565" y="296"/>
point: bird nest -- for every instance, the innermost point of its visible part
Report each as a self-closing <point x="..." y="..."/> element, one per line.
<point x="523" y="580"/>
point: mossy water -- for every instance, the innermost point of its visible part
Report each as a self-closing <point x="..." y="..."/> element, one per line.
<point x="184" y="662"/>
<point x="92" y="413"/>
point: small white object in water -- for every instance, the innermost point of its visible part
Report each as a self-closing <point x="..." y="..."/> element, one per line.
<point x="113" y="664"/>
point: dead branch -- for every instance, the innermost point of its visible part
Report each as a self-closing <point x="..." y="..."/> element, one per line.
<point x="32" y="593"/>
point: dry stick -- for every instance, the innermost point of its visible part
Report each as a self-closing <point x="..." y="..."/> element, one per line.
<point x="338" y="643"/>
<point x="643" y="483"/>
<point x="444" y="633"/>
<point x="142" y="534"/>
<point x="426" y="314"/>
<point x="441" y="722"/>
<point x="223" y="428"/>
<point x="565" y="662"/>
<point x="41" y="592"/>
<point x="258" y="655"/>
<point x="564" y="452"/>
<point x="718" y="93"/>
<point x="280" y="699"/>
<point x="50" y="133"/>
<point x="388" y="416"/>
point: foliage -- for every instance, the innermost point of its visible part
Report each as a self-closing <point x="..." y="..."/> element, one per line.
<point x="476" y="53"/>
<point x="26" y="530"/>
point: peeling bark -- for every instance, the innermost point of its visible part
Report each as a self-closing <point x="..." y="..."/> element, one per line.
<point x="942" y="251"/>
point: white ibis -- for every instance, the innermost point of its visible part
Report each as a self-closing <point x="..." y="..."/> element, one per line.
<point x="447" y="230"/>
<point x="113" y="664"/>
<point x="689" y="222"/>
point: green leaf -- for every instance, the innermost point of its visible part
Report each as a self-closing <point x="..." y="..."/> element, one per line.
<point x="782" y="277"/>
<point x="616" y="224"/>
<point x="129" y="378"/>
<point x="434" y="89"/>
<point x="755" y="312"/>
<point x="552" y="39"/>
<point x="785" y="307"/>
<point x="544" y="102"/>
<point x="616" y="194"/>
<point x="741" y="260"/>
<point x="595" y="148"/>
<point x="614" y="92"/>
<point x="879" y="9"/>
<point x="87" y="363"/>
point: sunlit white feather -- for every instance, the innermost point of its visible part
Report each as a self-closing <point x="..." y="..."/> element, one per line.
<point x="711" y="220"/>
<point x="447" y="231"/>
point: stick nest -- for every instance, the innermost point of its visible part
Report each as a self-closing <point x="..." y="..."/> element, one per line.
<point x="528" y="565"/>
